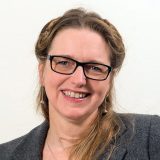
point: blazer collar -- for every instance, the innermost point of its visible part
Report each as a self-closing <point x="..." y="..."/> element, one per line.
<point x="32" y="144"/>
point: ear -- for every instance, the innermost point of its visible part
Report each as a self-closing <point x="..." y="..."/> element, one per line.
<point x="41" y="73"/>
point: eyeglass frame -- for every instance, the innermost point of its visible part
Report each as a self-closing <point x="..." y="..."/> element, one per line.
<point x="82" y="64"/>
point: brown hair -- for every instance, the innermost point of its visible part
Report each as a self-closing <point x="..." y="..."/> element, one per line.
<point x="106" y="126"/>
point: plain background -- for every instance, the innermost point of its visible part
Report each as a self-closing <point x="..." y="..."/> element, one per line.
<point x="137" y="85"/>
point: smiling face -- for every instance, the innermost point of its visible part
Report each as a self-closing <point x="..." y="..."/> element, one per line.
<point x="74" y="97"/>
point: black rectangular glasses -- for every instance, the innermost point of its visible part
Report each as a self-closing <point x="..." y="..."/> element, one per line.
<point x="67" y="66"/>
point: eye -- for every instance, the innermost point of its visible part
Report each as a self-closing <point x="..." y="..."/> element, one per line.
<point x="63" y="63"/>
<point x="95" y="68"/>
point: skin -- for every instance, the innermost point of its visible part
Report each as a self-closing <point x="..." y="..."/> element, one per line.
<point x="69" y="117"/>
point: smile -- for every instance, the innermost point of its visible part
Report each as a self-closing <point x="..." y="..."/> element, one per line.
<point x="75" y="94"/>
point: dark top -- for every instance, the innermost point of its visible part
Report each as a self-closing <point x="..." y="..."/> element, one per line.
<point x="139" y="139"/>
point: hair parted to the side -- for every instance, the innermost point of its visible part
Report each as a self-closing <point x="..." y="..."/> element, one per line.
<point x="104" y="129"/>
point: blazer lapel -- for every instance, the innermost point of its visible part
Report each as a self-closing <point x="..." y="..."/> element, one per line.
<point x="119" y="153"/>
<point x="30" y="148"/>
<point x="120" y="150"/>
<point x="124" y="137"/>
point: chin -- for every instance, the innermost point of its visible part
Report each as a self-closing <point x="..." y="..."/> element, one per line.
<point x="75" y="117"/>
<point x="79" y="117"/>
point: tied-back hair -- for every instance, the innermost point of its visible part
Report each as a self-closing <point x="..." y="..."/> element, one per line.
<point x="102" y="132"/>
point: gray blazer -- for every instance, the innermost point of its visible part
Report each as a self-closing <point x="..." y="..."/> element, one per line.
<point x="139" y="139"/>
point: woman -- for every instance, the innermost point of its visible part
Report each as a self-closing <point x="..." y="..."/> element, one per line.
<point x="79" y="55"/>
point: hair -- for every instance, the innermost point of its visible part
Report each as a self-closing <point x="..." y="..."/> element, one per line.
<point x="103" y="131"/>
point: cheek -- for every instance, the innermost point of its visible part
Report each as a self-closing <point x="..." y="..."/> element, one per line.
<point x="102" y="89"/>
<point x="53" y="83"/>
<point x="50" y="81"/>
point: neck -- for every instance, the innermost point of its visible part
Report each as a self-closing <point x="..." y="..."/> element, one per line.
<point x="66" y="132"/>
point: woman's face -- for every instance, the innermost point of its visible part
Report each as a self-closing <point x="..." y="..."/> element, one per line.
<point x="82" y="45"/>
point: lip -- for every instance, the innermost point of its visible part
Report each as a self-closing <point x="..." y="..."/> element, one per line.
<point x="75" y="100"/>
<point x="77" y="91"/>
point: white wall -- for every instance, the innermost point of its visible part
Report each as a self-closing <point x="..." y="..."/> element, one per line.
<point x="137" y="85"/>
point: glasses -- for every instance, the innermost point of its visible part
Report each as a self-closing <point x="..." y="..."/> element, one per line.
<point x="67" y="66"/>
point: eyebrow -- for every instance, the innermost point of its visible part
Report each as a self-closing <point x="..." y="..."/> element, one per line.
<point x="90" y="61"/>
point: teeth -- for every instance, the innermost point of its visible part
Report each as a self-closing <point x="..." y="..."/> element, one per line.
<point x="74" y="94"/>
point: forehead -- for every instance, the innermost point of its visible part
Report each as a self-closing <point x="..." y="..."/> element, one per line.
<point x="81" y="44"/>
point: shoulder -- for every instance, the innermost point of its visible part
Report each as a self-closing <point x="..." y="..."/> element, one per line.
<point x="141" y="121"/>
<point x="8" y="149"/>
<point x="154" y="138"/>
<point x="143" y="132"/>
<point x="126" y="117"/>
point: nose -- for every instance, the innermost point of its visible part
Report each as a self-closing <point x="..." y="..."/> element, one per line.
<point x="78" y="77"/>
